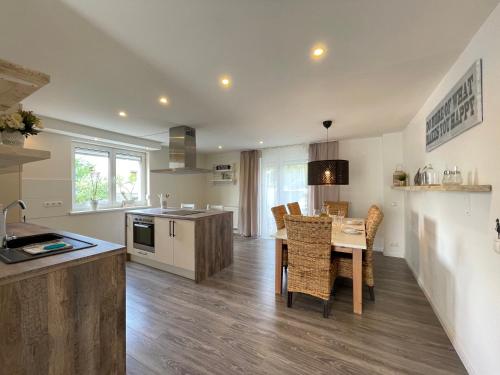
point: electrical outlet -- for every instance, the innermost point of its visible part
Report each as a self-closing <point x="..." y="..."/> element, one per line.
<point x="50" y="204"/>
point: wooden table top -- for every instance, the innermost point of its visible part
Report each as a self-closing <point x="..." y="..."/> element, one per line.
<point x="339" y="238"/>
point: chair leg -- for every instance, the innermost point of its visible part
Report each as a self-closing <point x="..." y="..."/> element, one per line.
<point x="281" y="287"/>
<point x="334" y="290"/>
<point x="325" y="309"/>
<point x="371" y="290"/>
<point x="290" y="299"/>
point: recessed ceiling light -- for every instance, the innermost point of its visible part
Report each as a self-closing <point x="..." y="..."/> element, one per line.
<point x="261" y="142"/>
<point x="219" y="147"/>
<point x="122" y="114"/>
<point x="318" y="51"/>
<point x="225" y="81"/>
<point x="163" y="100"/>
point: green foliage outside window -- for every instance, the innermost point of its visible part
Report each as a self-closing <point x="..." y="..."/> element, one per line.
<point x="89" y="185"/>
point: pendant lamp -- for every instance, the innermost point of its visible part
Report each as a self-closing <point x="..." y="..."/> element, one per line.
<point x="330" y="171"/>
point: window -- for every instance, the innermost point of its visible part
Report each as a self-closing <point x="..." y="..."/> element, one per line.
<point x="113" y="177"/>
<point x="283" y="180"/>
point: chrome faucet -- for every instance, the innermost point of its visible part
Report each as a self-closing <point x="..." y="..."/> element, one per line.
<point x="3" y="227"/>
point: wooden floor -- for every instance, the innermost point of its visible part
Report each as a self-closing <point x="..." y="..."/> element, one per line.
<point x="233" y="323"/>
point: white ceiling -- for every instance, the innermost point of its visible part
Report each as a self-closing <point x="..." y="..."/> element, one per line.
<point x="384" y="58"/>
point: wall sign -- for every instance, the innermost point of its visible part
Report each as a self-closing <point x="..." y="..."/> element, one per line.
<point x="460" y="110"/>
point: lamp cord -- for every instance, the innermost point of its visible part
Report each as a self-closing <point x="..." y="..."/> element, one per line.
<point x="327" y="158"/>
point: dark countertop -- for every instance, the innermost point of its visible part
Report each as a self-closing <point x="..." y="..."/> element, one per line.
<point x="35" y="267"/>
<point x="158" y="212"/>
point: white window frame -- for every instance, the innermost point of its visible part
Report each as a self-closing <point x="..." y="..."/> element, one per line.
<point x="113" y="152"/>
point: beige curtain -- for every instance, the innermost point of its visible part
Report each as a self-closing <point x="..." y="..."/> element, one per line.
<point x="319" y="194"/>
<point x="249" y="193"/>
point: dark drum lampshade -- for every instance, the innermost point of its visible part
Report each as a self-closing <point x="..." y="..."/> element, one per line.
<point x="328" y="172"/>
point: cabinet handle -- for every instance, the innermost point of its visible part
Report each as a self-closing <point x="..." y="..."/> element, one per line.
<point x="170" y="228"/>
<point x="173" y="228"/>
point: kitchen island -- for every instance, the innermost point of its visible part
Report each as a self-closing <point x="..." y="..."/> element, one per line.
<point x="65" y="313"/>
<point x="191" y="243"/>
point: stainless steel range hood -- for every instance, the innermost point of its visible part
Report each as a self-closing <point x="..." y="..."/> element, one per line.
<point x="182" y="152"/>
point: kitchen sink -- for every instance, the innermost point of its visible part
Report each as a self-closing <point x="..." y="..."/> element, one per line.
<point x="31" y="240"/>
<point x="14" y="252"/>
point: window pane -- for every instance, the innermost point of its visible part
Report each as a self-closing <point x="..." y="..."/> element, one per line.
<point x="295" y="187"/>
<point x="91" y="175"/>
<point x="129" y="178"/>
<point x="269" y="198"/>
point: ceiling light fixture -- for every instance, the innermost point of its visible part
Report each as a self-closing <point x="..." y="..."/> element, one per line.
<point x="122" y="114"/>
<point x="225" y="81"/>
<point x="219" y="147"/>
<point x="163" y="100"/>
<point x="261" y="142"/>
<point x="318" y="52"/>
<point x="329" y="171"/>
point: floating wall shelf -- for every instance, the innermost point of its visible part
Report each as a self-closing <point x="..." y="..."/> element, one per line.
<point x="12" y="156"/>
<point x="455" y="188"/>
<point x="17" y="83"/>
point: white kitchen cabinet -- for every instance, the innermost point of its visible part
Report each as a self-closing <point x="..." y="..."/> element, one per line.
<point x="183" y="238"/>
<point x="164" y="244"/>
<point x="174" y="242"/>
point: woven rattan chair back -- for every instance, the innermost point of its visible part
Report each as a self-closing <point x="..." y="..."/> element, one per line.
<point x="294" y="208"/>
<point x="340" y="207"/>
<point x="309" y="255"/>
<point x="373" y="221"/>
<point x="279" y="213"/>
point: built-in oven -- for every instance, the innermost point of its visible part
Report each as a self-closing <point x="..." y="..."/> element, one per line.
<point x="144" y="233"/>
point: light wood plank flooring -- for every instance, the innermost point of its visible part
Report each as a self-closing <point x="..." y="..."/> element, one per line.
<point x="233" y="323"/>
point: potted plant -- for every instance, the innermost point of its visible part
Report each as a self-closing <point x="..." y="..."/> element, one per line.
<point x="402" y="179"/>
<point x="95" y="182"/>
<point x="127" y="188"/>
<point x="16" y="127"/>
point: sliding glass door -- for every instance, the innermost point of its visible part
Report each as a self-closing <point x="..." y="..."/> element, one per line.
<point x="283" y="180"/>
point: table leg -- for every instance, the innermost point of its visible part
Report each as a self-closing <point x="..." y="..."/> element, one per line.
<point x="357" y="280"/>
<point x="278" y="274"/>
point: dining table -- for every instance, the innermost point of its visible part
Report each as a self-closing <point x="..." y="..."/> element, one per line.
<point x="342" y="242"/>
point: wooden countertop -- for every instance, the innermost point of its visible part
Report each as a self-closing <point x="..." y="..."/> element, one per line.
<point x="158" y="212"/>
<point x="23" y="270"/>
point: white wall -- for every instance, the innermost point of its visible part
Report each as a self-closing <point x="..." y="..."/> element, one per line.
<point x="449" y="236"/>
<point x="190" y="188"/>
<point x="365" y="178"/>
<point x="392" y="153"/>
<point x="227" y="194"/>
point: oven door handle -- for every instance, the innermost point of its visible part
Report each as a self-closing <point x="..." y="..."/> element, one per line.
<point x="143" y="225"/>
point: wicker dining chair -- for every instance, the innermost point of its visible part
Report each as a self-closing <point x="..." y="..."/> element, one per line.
<point x="341" y="207"/>
<point x="294" y="208"/>
<point x="310" y="266"/>
<point x="279" y="213"/>
<point x="375" y="217"/>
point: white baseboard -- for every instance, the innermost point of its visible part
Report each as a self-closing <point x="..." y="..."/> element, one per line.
<point x="450" y="332"/>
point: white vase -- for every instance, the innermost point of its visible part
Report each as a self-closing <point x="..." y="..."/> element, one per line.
<point x="93" y="204"/>
<point x="13" y="138"/>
